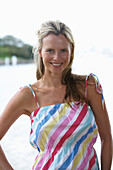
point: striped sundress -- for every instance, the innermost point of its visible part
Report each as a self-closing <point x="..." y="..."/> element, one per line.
<point x="64" y="137"/>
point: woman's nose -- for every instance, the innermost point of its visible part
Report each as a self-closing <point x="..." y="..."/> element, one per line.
<point x="57" y="55"/>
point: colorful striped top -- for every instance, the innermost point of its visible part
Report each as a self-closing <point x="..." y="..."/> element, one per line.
<point x="64" y="137"/>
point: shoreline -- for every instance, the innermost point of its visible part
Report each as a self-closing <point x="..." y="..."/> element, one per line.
<point x="19" y="61"/>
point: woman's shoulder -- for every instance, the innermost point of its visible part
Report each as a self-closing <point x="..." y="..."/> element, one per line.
<point x="89" y="85"/>
<point x="90" y="79"/>
<point x="29" y="88"/>
<point x="93" y="89"/>
<point x="27" y="94"/>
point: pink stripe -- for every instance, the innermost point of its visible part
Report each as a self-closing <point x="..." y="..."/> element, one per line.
<point x="92" y="161"/>
<point x="58" y="132"/>
<point x="86" y="159"/>
<point x="67" y="135"/>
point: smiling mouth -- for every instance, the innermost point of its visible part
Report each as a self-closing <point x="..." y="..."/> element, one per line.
<point x="56" y="64"/>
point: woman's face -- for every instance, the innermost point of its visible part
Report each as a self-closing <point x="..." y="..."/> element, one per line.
<point x="56" y="53"/>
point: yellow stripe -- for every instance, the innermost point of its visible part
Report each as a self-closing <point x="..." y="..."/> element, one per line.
<point x="80" y="155"/>
<point x="51" y="125"/>
<point x="38" y="158"/>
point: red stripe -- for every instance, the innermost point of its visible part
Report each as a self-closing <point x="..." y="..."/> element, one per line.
<point x="31" y="131"/>
<point x="92" y="161"/>
<point x="67" y="135"/>
<point x="35" y="112"/>
<point x="34" y="115"/>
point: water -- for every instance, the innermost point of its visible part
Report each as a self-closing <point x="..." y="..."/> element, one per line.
<point x="16" y="142"/>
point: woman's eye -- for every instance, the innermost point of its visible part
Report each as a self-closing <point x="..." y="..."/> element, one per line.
<point x="63" y="50"/>
<point x="50" y="50"/>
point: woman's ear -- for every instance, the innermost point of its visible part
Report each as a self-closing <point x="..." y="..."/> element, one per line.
<point x="40" y="53"/>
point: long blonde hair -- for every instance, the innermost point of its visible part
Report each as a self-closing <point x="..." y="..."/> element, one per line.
<point x="69" y="79"/>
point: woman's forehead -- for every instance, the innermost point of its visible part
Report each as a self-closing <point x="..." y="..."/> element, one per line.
<point x="55" y="40"/>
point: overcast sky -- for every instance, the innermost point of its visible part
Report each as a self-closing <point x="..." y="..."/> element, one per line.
<point x="89" y="20"/>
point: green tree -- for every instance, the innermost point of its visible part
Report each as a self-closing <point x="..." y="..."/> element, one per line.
<point x="10" y="46"/>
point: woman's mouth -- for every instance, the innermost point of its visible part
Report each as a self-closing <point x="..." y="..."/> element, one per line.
<point x="56" y="64"/>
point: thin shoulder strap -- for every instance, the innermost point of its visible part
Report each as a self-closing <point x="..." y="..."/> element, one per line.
<point x="97" y="83"/>
<point x="33" y="93"/>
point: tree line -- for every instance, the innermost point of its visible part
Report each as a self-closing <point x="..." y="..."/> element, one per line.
<point x="10" y="45"/>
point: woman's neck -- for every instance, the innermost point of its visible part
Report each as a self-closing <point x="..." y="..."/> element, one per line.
<point x="53" y="81"/>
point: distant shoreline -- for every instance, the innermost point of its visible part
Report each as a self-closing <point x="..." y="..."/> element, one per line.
<point x="2" y="62"/>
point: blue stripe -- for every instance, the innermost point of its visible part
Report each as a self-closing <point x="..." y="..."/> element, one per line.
<point x="75" y="150"/>
<point x="36" y="119"/>
<point x="30" y="89"/>
<point x="41" y="112"/>
<point x="46" y="118"/>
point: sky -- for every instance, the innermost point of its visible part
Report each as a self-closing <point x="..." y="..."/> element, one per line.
<point x="89" y="20"/>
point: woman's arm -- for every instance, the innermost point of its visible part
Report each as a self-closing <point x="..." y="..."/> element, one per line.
<point x="103" y="123"/>
<point x="14" y="109"/>
<point x="4" y="164"/>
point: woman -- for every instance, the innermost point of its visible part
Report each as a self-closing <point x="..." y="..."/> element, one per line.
<point x="67" y="110"/>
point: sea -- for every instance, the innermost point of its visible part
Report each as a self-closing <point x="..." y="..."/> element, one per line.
<point x="15" y="143"/>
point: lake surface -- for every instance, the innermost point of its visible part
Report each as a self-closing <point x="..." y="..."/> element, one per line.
<point x="16" y="142"/>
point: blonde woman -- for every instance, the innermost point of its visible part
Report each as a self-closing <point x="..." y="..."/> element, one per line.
<point x="67" y="111"/>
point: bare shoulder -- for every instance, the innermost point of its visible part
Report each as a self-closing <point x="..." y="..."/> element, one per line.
<point x="27" y="97"/>
<point x="94" y="88"/>
<point x="90" y="82"/>
<point x="81" y="79"/>
<point x="13" y="110"/>
<point x="89" y="87"/>
<point x="20" y="101"/>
